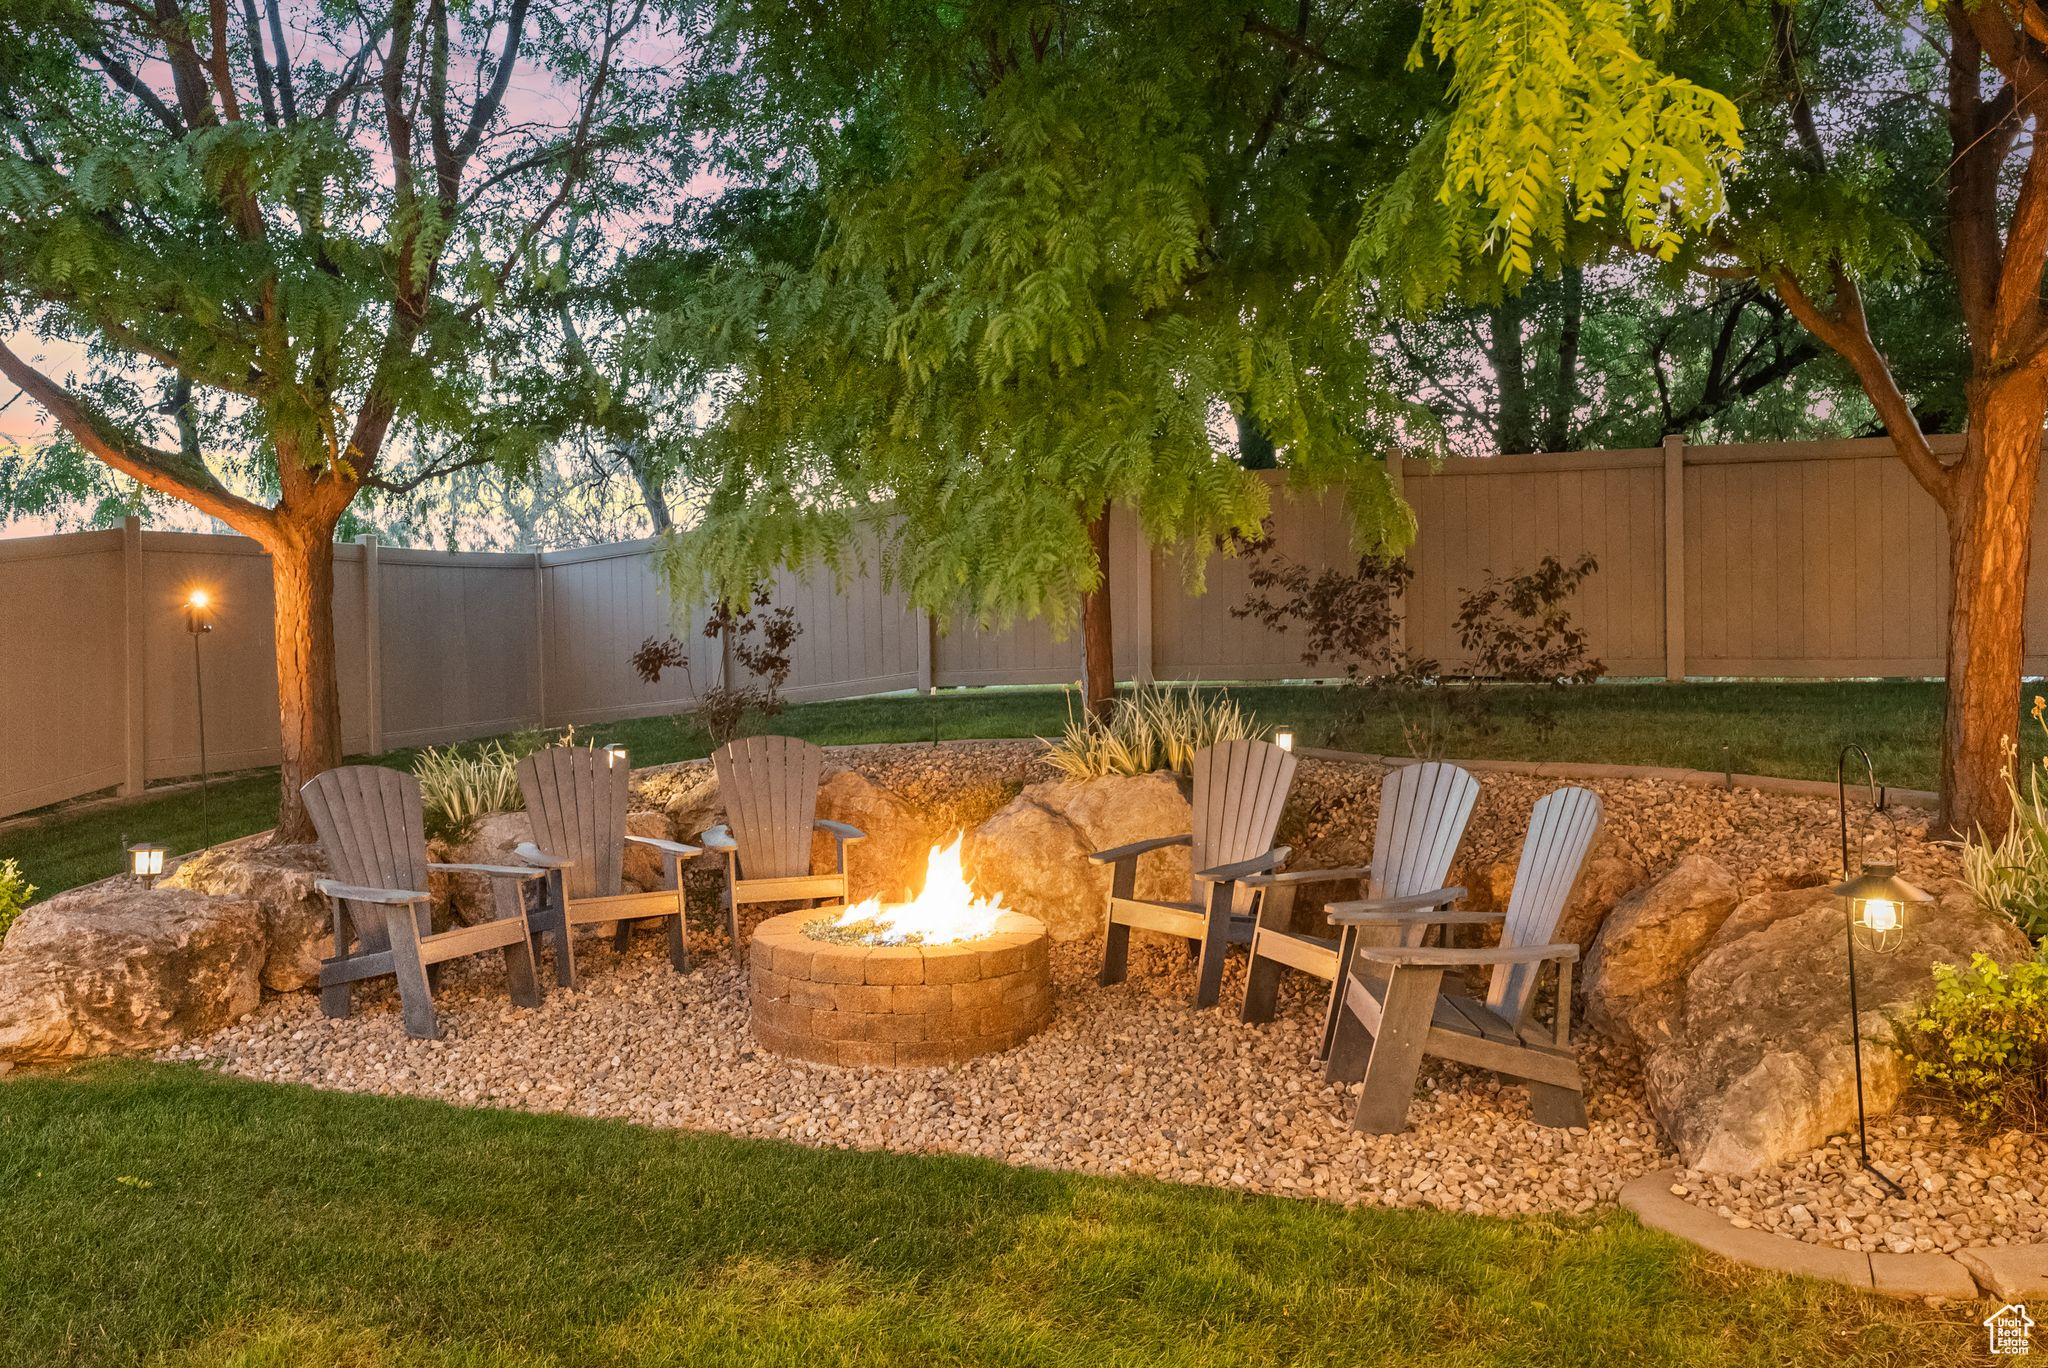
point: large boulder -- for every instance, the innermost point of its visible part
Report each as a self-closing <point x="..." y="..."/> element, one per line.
<point x="1649" y="942"/>
<point x="1607" y="876"/>
<point x="112" y="968"/>
<point x="467" y="898"/>
<point x="1758" y="1066"/>
<point x="891" y="861"/>
<point x="1035" y="850"/>
<point x="298" y="926"/>
<point x="645" y="869"/>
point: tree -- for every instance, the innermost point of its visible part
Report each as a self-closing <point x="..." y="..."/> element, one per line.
<point x="284" y="237"/>
<point x="1061" y="249"/>
<point x="1610" y="112"/>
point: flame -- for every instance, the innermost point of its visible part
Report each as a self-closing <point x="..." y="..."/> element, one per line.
<point x="947" y="910"/>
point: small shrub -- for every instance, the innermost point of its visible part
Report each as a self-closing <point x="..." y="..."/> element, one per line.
<point x="762" y="639"/>
<point x="15" y="892"/>
<point x="1980" y="1047"/>
<point x="2010" y="875"/>
<point x="1515" y="629"/>
<point x="1149" y="729"/>
<point x="458" y="790"/>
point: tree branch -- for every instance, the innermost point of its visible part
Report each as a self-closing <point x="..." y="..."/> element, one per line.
<point x="163" y="471"/>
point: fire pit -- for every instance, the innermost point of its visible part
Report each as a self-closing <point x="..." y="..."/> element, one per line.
<point x="943" y="977"/>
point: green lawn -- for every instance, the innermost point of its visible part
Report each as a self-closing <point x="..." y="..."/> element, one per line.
<point x="1782" y="729"/>
<point x="160" y="1215"/>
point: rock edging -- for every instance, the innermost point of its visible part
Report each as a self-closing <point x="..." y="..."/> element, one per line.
<point x="1653" y="1202"/>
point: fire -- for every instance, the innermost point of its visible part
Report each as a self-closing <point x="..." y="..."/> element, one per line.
<point x="947" y="910"/>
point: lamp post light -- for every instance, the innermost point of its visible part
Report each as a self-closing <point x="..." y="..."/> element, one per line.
<point x="198" y="622"/>
<point x="146" y="862"/>
<point x="1283" y="737"/>
<point x="1874" y="903"/>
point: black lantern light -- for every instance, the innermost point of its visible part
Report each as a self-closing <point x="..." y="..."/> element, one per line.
<point x="146" y="862"/>
<point x="1875" y="903"/>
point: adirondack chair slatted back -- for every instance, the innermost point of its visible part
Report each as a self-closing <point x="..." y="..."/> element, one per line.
<point x="578" y="801"/>
<point x="769" y="785"/>
<point x="1423" y="812"/>
<point x="1240" y="788"/>
<point x="371" y="828"/>
<point x="1561" y="828"/>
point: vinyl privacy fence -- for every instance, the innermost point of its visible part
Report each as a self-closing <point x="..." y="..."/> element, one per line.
<point x="1792" y="560"/>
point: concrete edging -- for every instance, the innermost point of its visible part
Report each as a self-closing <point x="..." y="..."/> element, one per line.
<point x="1894" y="1275"/>
<point x="1565" y="769"/>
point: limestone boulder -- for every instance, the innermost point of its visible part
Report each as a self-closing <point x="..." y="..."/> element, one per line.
<point x="645" y="868"/>
<point x="467" y="898"/>
<point x="1035" y="850"/>
<point x="298" y="927"/>
<point x="1758" y="1064"/>
<point x="112" y="968"/>
<point x="891" y="861"/>
<point x="692" y="802"/>
<point x="1637" y="968"/>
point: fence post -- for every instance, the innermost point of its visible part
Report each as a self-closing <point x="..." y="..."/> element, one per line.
<point x="540" y="639"/>
<point x="135" y="735"/>
<point x="927" y="628"/>
<point x="1397" y="481"/>
<point x="373" y="644"/>
<point x="1674" y="557"/>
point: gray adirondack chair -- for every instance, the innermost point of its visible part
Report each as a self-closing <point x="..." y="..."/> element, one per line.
<point x="369" y="822"/>
<point x="769" y="785"/>
<point x="1240" y="788"/>
<point x="1395" y="1009"/>
<point x="1423" y="813"/>
<point x="577" y="799"/>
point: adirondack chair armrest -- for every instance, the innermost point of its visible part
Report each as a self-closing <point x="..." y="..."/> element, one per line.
<point x="521" y="872"/>
<point x="540" y="859"/>
<point x="1257" y="864"/>
<point x="676" y="848"/>
<point x="1407" y="907"/>
<point x="385" y="897"/>
<point x="841" y="832"/>
<point x="719" y="839"/>
<point x="1282" y="878"/>
<point x="1137" y="848"/>
<point x="1446" y="957"/>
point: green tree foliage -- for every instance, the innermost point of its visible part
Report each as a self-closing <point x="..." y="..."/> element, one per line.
<point x="283" y="237"/>
<point x="1052" y="252"/>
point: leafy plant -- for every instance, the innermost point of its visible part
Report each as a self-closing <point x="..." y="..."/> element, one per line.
<point x="2010" y="875"/>
<point x="1149" y="729"/>
<point x="761" y="637"/>
<point x="1515" y="629"/>
<point x="1980" y="1046"/>
<point x="15" y="892"/>
<point x="458" y="790"/>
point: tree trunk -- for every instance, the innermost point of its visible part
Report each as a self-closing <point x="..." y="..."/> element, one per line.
<point x="308" y="695"/>
<point x="1989" y="521"/>
<point x="1564" y="392"/>
<point x="1513" y="429"/>
<point x="1254" y="448"/>
<point x="1098" y="653"/>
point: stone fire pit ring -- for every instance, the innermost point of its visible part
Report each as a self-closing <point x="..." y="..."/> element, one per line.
<point x="897" y="1006"/>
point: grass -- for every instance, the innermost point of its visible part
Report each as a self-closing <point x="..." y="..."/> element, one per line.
<point x="157" y="1214"/>
<point x="1784" y="729"/>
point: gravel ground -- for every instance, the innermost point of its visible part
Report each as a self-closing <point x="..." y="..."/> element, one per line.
<point x="1132" y="1080"/>
<point x="1960" y="1193"/>
<point x="1127" y="1080"/>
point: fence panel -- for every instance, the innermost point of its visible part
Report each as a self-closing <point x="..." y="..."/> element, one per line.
<point x="63" y="712"/>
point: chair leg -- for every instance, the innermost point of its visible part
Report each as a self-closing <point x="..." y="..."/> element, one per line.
<point x="679" y="935"/>
<point x="1397" y="1049"/>
<point x="1215" y="944"/>
<point x="1333" y="1008"/>
<point x="622" y="936"/>
<point x="1558" y="1107"/>
<point x="1116" y="952"/>
<point x="1350" y="1043"/>
<point x="335" y="999"/>
<point x="415" y="989"/>
<point x="521" y="975"/>
<point x="1261" y="987"/>
<point x="556" y="923"/>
